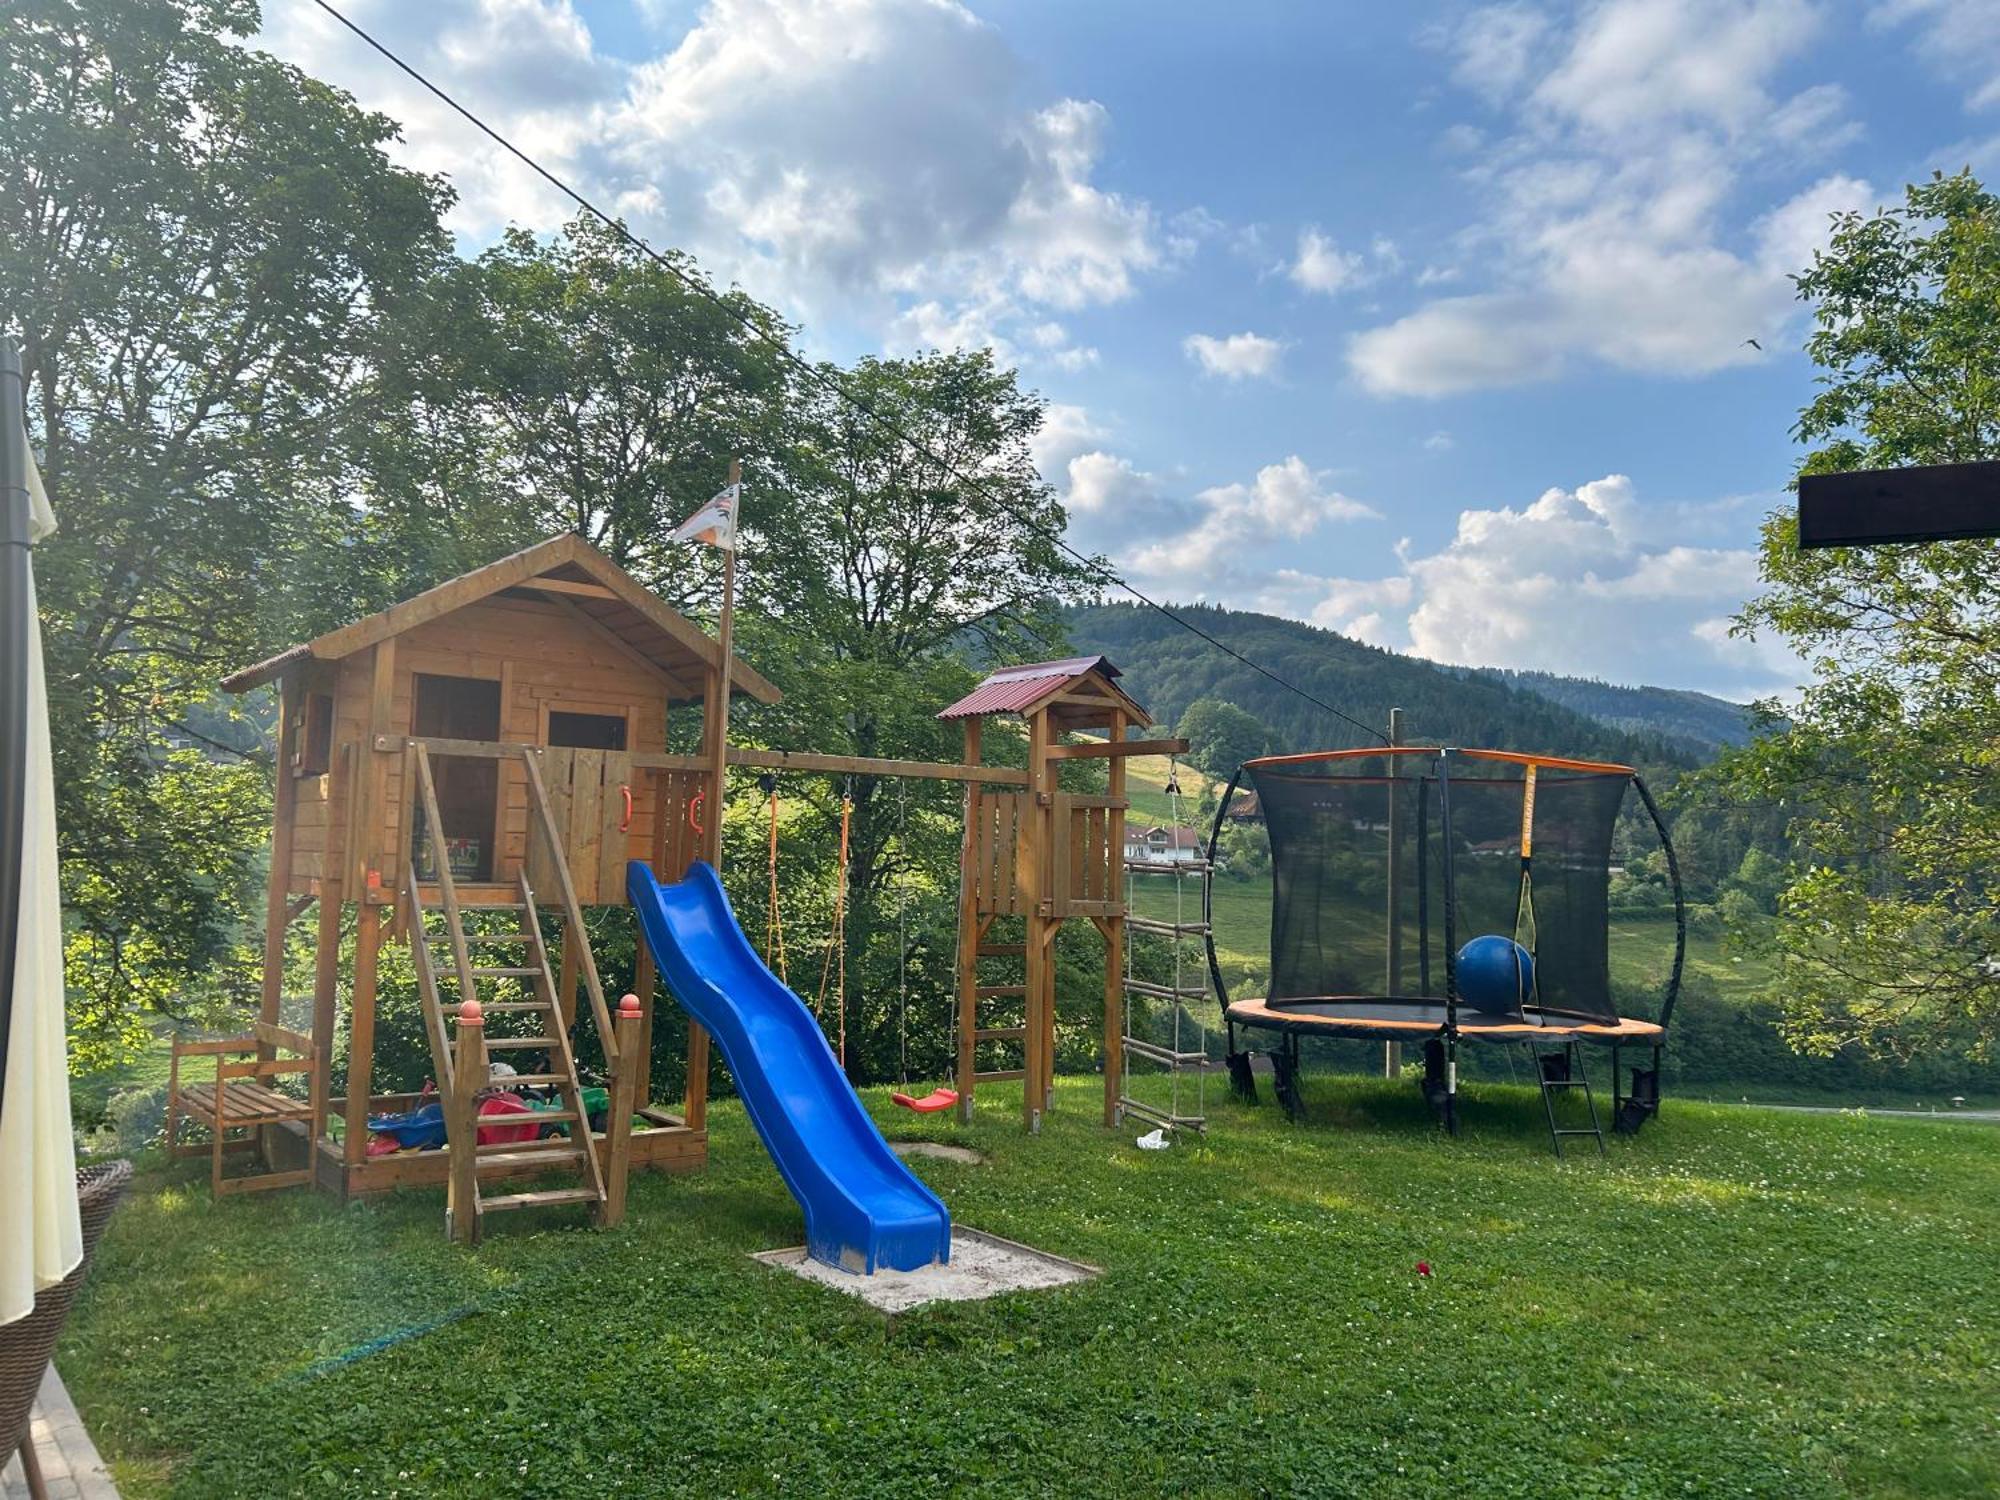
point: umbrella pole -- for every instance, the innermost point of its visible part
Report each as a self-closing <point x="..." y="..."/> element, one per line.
<point x="14" y="628"/>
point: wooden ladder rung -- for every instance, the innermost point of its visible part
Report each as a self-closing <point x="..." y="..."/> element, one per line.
<point x="1002" y="1076"/>
<point x="999" y="991"/>
<point x="539" y="1200"/>
<point x="503" y="1043"/>
<point x="489" y="1006"/>
<point x="537" y="1117"/>
<point x="501" y="1161"/>
<point x="512" y="973"/>
<point x="535" y="1081"/>
<point x="555" y="1145"/>
<point x="486" y="937"/>
<point x="1001" y="1034"/>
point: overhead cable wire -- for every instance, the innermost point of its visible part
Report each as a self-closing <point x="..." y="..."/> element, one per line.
<point x="819" y="376"/>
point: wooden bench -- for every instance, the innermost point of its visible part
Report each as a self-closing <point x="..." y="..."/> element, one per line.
<point x="238" y="1098"/>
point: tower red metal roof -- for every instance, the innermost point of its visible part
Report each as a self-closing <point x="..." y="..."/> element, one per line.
<point x="1012" y="689"/>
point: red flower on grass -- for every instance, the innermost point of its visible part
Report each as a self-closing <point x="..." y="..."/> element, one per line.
<point x="1423" y="1268"/>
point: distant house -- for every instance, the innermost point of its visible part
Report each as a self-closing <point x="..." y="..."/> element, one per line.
<point x="1494" y="848"/>
<point x="1245" y="808"/>
<point x="1159" y="843"/>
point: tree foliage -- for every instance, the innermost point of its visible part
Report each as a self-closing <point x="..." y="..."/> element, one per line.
<point x="196" y="242"/>
<point x="1889" y="767"/>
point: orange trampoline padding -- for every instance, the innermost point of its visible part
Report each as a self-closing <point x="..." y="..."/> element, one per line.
<point x="1365" y="1017"/>
<point x="930" y="1104"/>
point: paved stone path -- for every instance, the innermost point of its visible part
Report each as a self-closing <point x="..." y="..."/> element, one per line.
<point x="70" y="1466"/>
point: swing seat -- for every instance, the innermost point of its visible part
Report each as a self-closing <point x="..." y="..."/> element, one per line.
<point x="930" y="1104"/>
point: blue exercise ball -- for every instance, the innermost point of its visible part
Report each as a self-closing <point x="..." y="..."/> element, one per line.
<point x="1495" y="975"/>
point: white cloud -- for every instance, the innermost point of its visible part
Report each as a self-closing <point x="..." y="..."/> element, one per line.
<point x="1586" y="581"/>
<point x="1495" y="45"/>
<point x="1322" y="266"/>
<point x="849" y="158"/>
<point x="1959" y="38"/>
<point x="1236" y="357"/>
<point x="1287" y="501"/>
<point x="1613" y="231"/>
<point x="1440" y="442"/>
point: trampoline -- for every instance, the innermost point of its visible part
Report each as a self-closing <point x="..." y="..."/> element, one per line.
<point x="1387" y="862"/>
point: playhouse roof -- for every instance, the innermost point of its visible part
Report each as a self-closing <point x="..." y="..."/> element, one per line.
<point x="567" y="570"/>
<point x="1085" y="684"/>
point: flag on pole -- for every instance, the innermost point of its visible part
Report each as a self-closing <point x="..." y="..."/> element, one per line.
<point x="715" y="522"/>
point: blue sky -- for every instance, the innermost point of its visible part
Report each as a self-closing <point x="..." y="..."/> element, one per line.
<point x="1423" y="323"/>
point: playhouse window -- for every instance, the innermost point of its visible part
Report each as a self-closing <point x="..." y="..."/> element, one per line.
<point x="312" y="754"/>
<point x="587" y="731"/>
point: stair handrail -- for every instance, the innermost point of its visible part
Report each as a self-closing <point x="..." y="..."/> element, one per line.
<point x="544" y="822"/>
<point x="454" y="920"/>
<point x="427" y="981"/>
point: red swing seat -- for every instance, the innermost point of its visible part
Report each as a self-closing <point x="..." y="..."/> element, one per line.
<point x="930" y="1104"/>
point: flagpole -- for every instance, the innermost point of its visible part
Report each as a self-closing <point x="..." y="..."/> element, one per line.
<point x="15" y="542"/>
<point x="718" y="747"/>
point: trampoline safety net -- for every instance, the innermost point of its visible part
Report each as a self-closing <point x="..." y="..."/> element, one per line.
<point x="1363" y="901"/>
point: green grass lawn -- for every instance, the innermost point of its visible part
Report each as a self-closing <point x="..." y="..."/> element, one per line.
<point x="1736" y="1301"/>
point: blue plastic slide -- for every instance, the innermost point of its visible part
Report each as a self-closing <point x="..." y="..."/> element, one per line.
<point x="864" y="1210"/>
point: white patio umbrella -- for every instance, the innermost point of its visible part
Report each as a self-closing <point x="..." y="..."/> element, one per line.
<point x="41" y="1240"/>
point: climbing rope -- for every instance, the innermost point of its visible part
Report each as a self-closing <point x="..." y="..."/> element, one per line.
<point x="774" y="924"/>
<point x="902" y="939"/>
<point x="833" y="969"/>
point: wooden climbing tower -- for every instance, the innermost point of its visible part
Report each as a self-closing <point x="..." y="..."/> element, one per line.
<point x="1034" y="858"/>
<point x="451" y="772"/>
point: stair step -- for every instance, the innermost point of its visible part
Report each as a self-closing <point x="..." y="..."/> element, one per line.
<point x="539" y="1200"/>
<point x="505" y="1043"/>
<point x="553" y="1145"/>
<point x="1001" y="1034"/>
<point x="507" y="973"/>
<point x="533" y="1080"/>
<point x="537" y="1117"/>
<point x="508" y="1160"/>
<point x="487" y="937"/>
<point x="490" y="1006"/>
<point x="485" y="906"/>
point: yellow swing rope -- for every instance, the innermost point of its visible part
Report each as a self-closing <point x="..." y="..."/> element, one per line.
<point x="774" y="925"/>
<point x="836" y="940"/>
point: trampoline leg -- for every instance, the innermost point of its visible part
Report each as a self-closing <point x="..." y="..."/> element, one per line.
<point x="1242" y="1083"/>
<point x="1437" y="1089"/>
<point x="1285" y="1078"/>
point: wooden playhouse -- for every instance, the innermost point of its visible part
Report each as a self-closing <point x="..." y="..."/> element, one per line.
<point x="450" y="771"/>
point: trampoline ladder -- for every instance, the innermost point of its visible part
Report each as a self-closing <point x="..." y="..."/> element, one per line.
<point x="1560" y="1070"/>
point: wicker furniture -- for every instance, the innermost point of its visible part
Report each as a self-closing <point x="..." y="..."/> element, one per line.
<point x="25" y="1344"/>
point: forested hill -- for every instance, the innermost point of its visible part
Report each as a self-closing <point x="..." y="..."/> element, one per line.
<point x="1706" y="724"/>
<point x="1167" y="668"/>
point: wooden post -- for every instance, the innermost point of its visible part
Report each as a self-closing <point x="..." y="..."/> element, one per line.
<point x="1392" y="979"/>
<point x="1114" y="935"/>
<point x="566" y="983"/>
<point x="326" y="991"/>
<point x="618" y="1122"/>
<point x="284" y="808"/>
<point x="361" y="1029"/>
<point x="1031" y="877"/>
<point x="968" y="929"/>
<point x="469" y="1076"/>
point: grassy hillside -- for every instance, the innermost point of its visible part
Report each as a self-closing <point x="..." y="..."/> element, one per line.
<point x="1167" y="668"/>
<point x="1704" y="724"/>
<point x="1736" y="1301"/>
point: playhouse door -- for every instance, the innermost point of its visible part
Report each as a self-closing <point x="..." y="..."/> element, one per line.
<point x="589" y="793"/>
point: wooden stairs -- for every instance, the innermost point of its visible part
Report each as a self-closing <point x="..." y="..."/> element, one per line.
<point x="494" y="993"/>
